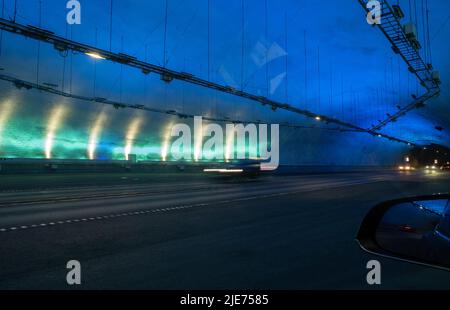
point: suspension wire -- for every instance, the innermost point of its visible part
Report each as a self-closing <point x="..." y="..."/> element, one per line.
<point x="442" y="26"/>
<point x="38" y="63"/>
<point x="415" y="14"/>
<point x="242" y="44"/>
<point x="385" y="90"/>
<point x="249" y="79"/>
<point x="216" y="106"/>
<point x="71" y="63"/>
<point x="95" y="64"/>
<point x="424" y="33"/>
<point x="166" y="99"/>
<point x="342" y="94"/>
<point x="417" y="87"/>
<point x="182" y="41"/>
<point x="355" y="102"/>
<point x="428" y="33"/>
<point x="352" y="102"/>
<point x="357" y="106"/>
<point x="110" y="24"/>
<point x="209" y="39"/>
<point x="64" y="65"/>
<point x="409" y="85"/>
<point x="1" y="32"/>
<point x="210" y="50"/>
<point x="392" y="81"/>
<point x="145" y="52"/>
<point x="165" y="33"/>
<point x="121" y="71"/>
<point x="15" y="10"/>
<point x="377" y="107"/>
<point x="416" y="20"/>
<point x="266" y="13"/>
<point x="319" y="84"/>
<point x="183" y="86"/>
<point x="399" y="81"/>
<point x="331" y="87"/>
<point x="287" y="56"/>
<point x="306" y="67"/>
<point x="410" y="11"/>
<point x="390" y="88"/>
<point x="146" y="76"/>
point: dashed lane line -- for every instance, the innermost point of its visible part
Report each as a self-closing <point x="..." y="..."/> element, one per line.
<point x="98" y="218"/>
<point x="153" y="211"/>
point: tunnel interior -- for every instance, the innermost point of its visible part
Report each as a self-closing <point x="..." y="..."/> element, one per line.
<point x="349" y="73"/>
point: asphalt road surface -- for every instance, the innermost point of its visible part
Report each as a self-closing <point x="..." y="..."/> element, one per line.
<point x="275" y="232"/>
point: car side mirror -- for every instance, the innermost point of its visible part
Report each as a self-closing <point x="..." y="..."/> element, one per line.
<point x="414" y="229"/>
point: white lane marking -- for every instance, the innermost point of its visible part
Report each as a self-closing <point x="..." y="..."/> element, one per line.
<point x="184" y="207"/>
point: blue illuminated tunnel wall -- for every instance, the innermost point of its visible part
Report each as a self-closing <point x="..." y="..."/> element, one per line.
<point x="37" y="125"/>
<point x="329" y="62"/>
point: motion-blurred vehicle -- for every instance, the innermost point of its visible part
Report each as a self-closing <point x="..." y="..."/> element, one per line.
<point x="247" y="167"/>
<point x="431" y="167"/>
<point x="406" y="168"/>
<point x="445" y="168"/>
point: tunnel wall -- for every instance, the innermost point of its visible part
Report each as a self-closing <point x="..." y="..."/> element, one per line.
<point x="34" y="118"/>
<point x="33" y="122"/>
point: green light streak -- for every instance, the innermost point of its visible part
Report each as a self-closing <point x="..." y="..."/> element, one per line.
<point x="24" y="136"/>
<point x="6" y="110"/>
<point x="96" y="131"/>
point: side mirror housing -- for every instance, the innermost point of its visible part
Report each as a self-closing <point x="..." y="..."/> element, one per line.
<point x="415" y="229"/>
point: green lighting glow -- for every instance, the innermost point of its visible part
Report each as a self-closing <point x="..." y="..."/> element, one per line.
<point x="54" y="122"/>
<point x="6" y="110"/>
<point x="96" y="131"/>
<point x="55" y="131"/>
<point x="132" y="132"/>
<point x="141" y="152"/>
